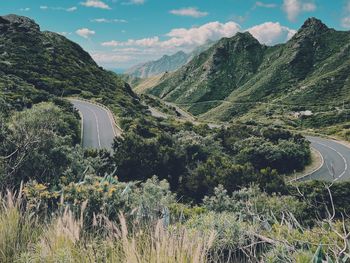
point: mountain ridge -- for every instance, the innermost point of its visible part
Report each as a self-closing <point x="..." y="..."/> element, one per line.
<point x="313" y="66"/>
<point x="167" y="63"/>
<point x="155" y="67"/>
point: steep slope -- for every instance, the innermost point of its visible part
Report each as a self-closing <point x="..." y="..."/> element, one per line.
<point x="35" y="66"/>
<point x="164" y="64"/>
<point x="310" y="71"/>
<point x="239" y="76"/>
<point x="148" y="83"/>
<point x="215" y="73"/>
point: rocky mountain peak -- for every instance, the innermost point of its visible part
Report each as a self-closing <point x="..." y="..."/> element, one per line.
<point x="314" y="23"/>
<point x="240" y="41"/>
<point x="243" y="36"/>
<point x="18" y="23"/>
<point x="313" y="26"/>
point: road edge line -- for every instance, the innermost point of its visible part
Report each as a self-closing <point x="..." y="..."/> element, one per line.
<point x="82" y="128"/>
<point x="312" y="172"/>
<point x="110" y="114"/>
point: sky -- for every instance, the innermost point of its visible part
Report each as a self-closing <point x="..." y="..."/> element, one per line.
<point x="121" y="33"/>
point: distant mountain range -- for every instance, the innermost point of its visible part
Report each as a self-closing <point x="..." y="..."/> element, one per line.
<point x="166" y="63"/>
<point x="238" y="75"/>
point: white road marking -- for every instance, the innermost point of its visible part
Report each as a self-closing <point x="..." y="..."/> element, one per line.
<point x="117" y="131"/>
<point x="109" y="114"/>
<point x="342" y="156"/>
<point x="97" y="123"/>
<point x="97" y="127"/>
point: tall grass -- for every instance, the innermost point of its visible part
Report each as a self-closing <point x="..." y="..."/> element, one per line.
<point x="65" y="238"/>
<point x="18" y="229"/>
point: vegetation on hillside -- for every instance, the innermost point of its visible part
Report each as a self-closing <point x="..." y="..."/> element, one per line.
<point x="168" y="191"/>
<point x="36" y="66"/>
<point x="240" y="78"/>
<point x="102" y="219"/>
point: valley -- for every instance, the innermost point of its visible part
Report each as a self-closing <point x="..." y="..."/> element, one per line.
<point x="226" y="151"/>
<point x="240" y="79"/>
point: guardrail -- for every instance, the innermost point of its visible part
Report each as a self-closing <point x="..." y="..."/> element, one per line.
<point x="112" y="117"/>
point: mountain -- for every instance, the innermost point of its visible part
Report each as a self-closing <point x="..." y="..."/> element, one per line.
<point x="238" y="75"/>
<point x="165" y="63"/>
<point x="36" y="66"/>
<point x="214" y="73"/>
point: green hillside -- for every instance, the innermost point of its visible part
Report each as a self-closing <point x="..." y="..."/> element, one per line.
<point x="36" y="66"/>
<point x="238" y="77"/>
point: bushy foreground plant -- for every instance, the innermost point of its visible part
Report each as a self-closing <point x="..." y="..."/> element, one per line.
<point x="66" y="236"/>
<point x="38" y="144"/>
<point x="105" y="195"/>
<point x="143" y="223"/>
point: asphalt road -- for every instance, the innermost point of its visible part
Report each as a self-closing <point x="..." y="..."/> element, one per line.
<point x="99" y="132"/>
<point x="336" y="157"/>
<point x="98" y="126"/>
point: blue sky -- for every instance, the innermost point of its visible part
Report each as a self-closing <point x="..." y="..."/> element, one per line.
<point x="122" y="33"/>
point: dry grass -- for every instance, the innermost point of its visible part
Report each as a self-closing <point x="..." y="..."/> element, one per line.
<point x="148" y="83"/>
<point x="159" y="245"/>
<point x="65" y="238"/>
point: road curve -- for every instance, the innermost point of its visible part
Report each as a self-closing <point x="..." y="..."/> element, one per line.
<point x="336" y="158"/>
<point x="99" y="132"/>
<point x="98" y="126"/>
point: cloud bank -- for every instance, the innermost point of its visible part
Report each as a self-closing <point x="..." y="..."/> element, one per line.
<point x="293" y="8"/>
<point x="132" y="51"/>
<point x="189" y="11"/>
<point x="85" y="32"/>
<point x="95" y="4"/>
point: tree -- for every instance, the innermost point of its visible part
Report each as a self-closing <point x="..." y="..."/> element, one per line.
<point x="37" y="145"/>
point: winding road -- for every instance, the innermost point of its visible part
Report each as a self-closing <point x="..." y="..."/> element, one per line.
<point x="336" y="160"/>
<point x="98" y="127"/>
<point x="99" y="131"/>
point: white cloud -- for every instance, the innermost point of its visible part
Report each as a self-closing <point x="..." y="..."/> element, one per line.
<point x="265" y="5"/>
<point x="26" y="9"/>
<point x="96" y="4"/>
<point x="127" y="53"/>
<point x="69" y="9"/>
<point x="129" y="50"/>
<point x="126" y="57"/>
<point x="108" y="58"/>
<point x="347" y="8"/>
<point x="134" y="2"/>
<point x="104" y="20"/>
<point x="182" y="38"/>
<point x="309" y="7"/>
<point x="138" y="2"/>
<point x="270" y="33"/>
<point x="294" y="7"/>
<point x="64" y="33"/>
<point x="144" y="42"/>
<point x="189" y="11"/>
<point x="199" y="35"/>
<point x="85" y="32"/>
<point x="345" y="21"/>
